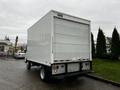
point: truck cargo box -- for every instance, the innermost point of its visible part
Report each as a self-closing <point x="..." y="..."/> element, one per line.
<point x="59" y="38"/>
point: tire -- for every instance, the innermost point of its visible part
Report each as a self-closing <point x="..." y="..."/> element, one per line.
<point x="45" y="74"/>
<point x="28" y="65"/>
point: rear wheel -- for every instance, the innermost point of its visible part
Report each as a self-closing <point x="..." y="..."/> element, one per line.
<point x="45" y="73"/>
<point x="28" y="65"/>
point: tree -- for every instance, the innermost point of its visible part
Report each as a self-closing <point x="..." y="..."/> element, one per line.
<point x="101" y="44"/>
<point x="16" y="41"/>
<point x="92" y="45"/>
<point x="115" y="44"/>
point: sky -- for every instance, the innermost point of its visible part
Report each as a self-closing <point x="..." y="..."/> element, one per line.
<point x="16" y="16"/>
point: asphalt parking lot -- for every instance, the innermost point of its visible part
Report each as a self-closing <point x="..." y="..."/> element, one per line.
<point x="14" y="76"/>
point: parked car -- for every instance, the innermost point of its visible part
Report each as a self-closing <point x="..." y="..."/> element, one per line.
<point x="20" y="55"/>
<point x="3" y="54"/>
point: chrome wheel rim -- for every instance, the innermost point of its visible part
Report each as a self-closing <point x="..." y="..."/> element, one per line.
<point x="42" y="73"/>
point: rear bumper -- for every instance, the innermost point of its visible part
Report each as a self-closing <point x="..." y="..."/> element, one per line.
<point x="76" y="68"/>
<point x="78" y="73"/>
<point x="73" y="74"/>
<point x="19" y="57"/>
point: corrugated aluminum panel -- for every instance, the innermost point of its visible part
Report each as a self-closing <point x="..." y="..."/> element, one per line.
<point x="71" y="40"/>
<point x="73" y="67"/>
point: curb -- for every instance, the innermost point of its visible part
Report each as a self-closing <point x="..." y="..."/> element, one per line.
<point x="102" y="79"/>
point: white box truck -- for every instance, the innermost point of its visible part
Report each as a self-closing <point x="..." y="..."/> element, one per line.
<point x="60" y="44"/>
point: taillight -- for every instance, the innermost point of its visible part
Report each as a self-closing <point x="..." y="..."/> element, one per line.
<point x="58" y="68"/>
<point x="85" y="65"/>
<point x="55" y="67"/>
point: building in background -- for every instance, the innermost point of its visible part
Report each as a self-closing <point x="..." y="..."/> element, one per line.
<point x="108" y="44"/>
<point x="6" y="48"/>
